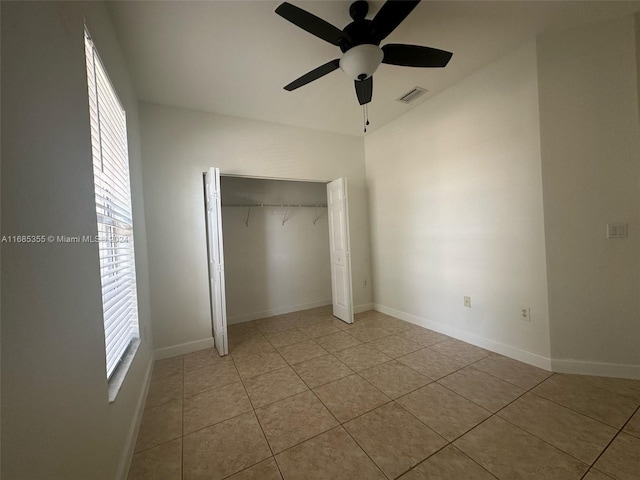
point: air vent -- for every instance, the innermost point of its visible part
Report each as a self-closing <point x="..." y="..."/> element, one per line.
<point x="412" y="95"/>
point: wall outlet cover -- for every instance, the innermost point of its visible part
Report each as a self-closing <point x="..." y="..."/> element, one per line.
<point x="467" y="302"/>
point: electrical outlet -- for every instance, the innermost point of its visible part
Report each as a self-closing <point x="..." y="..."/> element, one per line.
<point x="365" y="283"/>
<point x="467" y="302"/>
<point x="525" y="314"/>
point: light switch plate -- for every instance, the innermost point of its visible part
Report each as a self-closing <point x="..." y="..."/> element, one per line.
<point x="616" y="230"/>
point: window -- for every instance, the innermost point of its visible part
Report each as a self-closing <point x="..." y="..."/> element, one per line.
<point x="113" y="210"/>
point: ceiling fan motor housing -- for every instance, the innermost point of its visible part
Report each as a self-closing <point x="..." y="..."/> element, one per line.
<point x="360" y="62"/>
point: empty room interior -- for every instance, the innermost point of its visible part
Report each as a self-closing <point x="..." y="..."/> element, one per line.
<point x="420" y="259"/>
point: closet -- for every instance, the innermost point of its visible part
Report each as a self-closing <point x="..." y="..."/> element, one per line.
<point x="275" y="246"/>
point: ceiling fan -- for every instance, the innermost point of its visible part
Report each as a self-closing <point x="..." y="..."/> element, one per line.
<point x="359" y="42"/>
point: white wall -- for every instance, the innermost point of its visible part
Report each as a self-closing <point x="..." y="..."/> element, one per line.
<point x="272" y="268"/>
<point x="455" y="195"/>
<point x="178" y="145"/>
<point x="57" y="422"/>
<point x="591" y="170"/>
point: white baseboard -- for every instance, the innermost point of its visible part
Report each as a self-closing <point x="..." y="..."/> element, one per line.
<point x="497" y="347"/>
<point x="247" y="317"/>
<point x="600" y="369"/>
<point x="132" y="434"/>
<point x="183" y="348"/>
<point x="554" y="365"/>
<point x="365" y="307"/>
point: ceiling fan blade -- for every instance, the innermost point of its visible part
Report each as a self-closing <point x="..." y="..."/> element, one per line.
<point x="314" y="74"/>
<point x="415" y="56"/>
<point x="364" y="90"/>
<point x="392" y="13"/>
<point x="312" y="24"/>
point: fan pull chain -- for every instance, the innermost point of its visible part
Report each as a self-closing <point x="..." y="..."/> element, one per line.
<point x="365" y="116"/>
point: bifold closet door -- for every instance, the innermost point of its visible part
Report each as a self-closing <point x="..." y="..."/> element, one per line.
<point x="338" y="214"/>
<point x="216" y="260"/>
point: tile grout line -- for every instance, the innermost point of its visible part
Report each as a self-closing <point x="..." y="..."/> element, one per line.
<point x="492" y="414"/>
<point x="613" y="439"/>
<point x="257" y="420"/>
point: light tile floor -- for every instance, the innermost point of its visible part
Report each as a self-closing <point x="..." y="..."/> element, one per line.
<point x="306" y="396"/>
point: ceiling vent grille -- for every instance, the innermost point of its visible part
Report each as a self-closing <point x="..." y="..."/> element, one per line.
<point x="412" y="95"/>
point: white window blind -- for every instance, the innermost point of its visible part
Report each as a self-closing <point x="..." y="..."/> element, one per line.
<point x="113" y="209"/>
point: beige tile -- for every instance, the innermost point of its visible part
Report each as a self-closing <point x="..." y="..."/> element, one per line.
<point x="368" y="333"/>
<point x="274" y="324"/>
<point x="423" y="336"/>
<point x="273" y="386"/>
<point x="197" y="380"/>
<point x="487" y="391"/>
<point x="394" y="379"/>
<point x="321" y="370"/>
<point x="511" y="453"/>
<point x="249" y="346"/>
<point x="430" y="363"/>
<point x="325" y="327"/>
<point x="512" y="371"/>
<point x="223" y="449"/>
<point x="299" y="352"/>
<point x="444" y="411"/>
<point x="168" y="367"/>
<point x="633" y="427"/>
<point x="395" y="346"/>
<point x="448" y="464"/>
<point x="571" y="432"/>
<point x="621" y="460"/>
<point x="239" y="328"/>
<point x="214" y="406"/>
<point x="301" y="321"/>
<point x="163" y="462"/>
<point x="333" y="455"/>
<point x="267" y="470"/>
<point x="596" y="475"/>
<point x="621" y="386"/>
<point x="368" y="315"/>
<point x="288" y="337"/>
<point x="337" y="341"/>
<point x="394" y="439"/>
<point x="241" y="335"/>
<point x="460" y="351"/>
<point x="350" y="396"/>
<point x="204" y="358"/>
<point x="607" y="407"/>
<point x="164" y="389"/>
<point x="160" y="424"/>
<point x="341" y="324"/>
<point x="391" y="324"/>
<point x="253" y="365"/>
<point x="294" y="420"/>
<point x="361" y="357"/>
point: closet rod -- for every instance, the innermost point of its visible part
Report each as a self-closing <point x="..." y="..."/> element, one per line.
<point x="279" y="205"/>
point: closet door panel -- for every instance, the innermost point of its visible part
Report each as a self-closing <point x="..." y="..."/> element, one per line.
<point x="338" y="215"/>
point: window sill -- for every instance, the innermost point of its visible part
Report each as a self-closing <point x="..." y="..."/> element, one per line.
<point x="117" y="379"/>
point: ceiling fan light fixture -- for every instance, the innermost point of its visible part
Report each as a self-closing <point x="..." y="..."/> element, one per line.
<point x="360" y="62"/>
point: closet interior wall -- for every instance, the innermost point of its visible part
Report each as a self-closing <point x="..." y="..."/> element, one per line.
<point x="276" y="246"/>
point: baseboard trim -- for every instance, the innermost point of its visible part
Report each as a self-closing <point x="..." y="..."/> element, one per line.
<point x="365" y="307"/>
<point x="183" y="348"/>
<point x="132" y="435"/>
<point x="579" y="367"/>
<point x="600" y="369"/>
<point x="276" y="311"/>
<point x="497" y="347"/>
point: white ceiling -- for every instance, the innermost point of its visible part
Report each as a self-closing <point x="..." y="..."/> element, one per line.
<point x="234" y="57"/>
